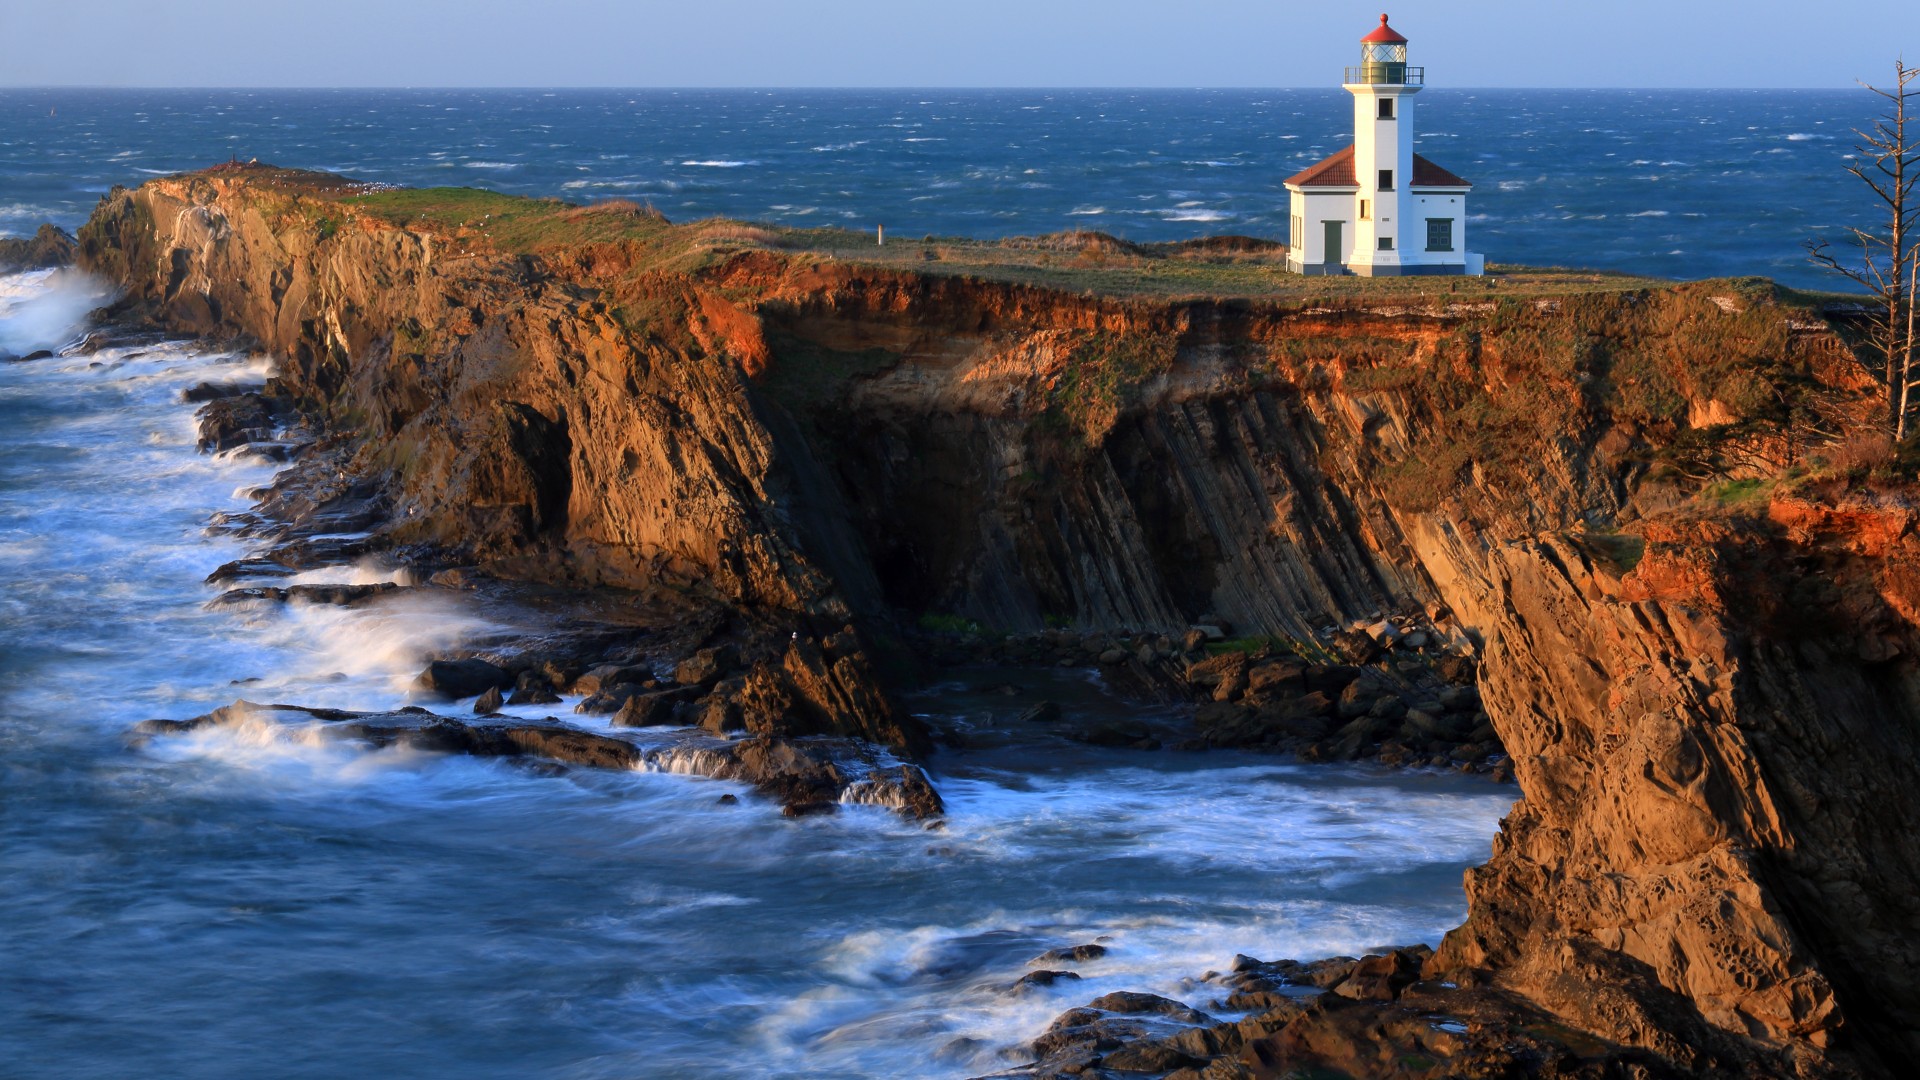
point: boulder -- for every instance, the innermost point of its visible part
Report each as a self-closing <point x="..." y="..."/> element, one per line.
<point x="606" y="676"/>
<point x="1043" y="977"/>
<point x="1119" y="732"/>
<point x="1070" y="954"/>
<point x="1381" y="978"/>
<point x="609" y="700"/>
<point x="235" y="421"/>
<point x="707" y="666"/>
<point x="463" y="678"/>
<point x="1042" y="712"/>
<point x="1135" y="1004"/>
<point x="655" y="709"/>
<point x="488" y="703"/>
<point x="533" y="694"/>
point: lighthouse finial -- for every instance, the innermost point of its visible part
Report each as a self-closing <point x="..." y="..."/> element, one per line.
<point x="1383" y="18"/>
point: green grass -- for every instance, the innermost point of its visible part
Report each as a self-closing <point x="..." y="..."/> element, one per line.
<point x="509" y="222"/>
<point x="1734" y="494"/>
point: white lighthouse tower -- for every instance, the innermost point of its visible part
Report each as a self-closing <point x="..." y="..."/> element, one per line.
<point x="1377" y="208"/>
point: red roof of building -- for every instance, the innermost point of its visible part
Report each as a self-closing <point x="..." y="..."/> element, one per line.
<point x="1337" y="171"/>
<point x="1383" y="35"/>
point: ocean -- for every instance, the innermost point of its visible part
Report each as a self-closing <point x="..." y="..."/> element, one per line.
<point x="1677" y="183"/>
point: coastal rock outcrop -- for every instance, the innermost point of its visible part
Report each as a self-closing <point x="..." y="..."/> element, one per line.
<point x="48" y="248"/>
<point x="1709" y="709"/>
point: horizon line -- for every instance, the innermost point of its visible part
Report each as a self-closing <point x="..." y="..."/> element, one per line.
<point x="877" y="88"/>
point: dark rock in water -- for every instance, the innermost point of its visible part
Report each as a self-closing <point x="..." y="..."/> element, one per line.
<point x="235" y="421"/>
<point x="336" y="595"/>
<point x="240" y="568"/>
<point x="654" y="709"/>
<point x="1045" y="712"/>
<point x="48" y="248"/>
<point x="463" y="678"/>
<point x="212" y="391"/>
<point x="41" y="354"/>
<point x="533" y="695"/>
<point x="728" y="799"/>
<point x="808" y="809"/>
<point x="610" y="700"/>
<point x="340" y="595"/>
<point x="488" y="703"/>
<point x="1043" y="977"/>
<point x="1071" y="954"/>
<point x="1117" y="733"/>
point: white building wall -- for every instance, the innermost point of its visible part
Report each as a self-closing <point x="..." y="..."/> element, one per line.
<point x="1313" y="209"/>
<point x="1450" y="205"/>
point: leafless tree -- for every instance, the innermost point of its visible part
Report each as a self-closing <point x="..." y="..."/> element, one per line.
<point x="1888" y="162"/>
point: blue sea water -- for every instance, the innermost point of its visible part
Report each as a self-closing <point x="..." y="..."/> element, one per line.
<point x="1679" y="183"/>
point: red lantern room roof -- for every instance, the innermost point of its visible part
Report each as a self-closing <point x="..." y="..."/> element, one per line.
<point x="1383" y="35"/>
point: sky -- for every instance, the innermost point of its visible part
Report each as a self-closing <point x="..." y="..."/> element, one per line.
<point x="952" y="43"/>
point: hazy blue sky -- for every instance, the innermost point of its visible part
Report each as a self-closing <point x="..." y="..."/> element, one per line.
<point x="1758" y="43"/>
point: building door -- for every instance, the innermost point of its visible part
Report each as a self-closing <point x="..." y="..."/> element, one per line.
<point x="1333" y="242"/>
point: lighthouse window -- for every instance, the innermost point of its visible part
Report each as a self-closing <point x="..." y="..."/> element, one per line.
<point x="1386" y="108"/>
<point x="1366" y="210"/>
<point x="1386" y="179"/>
<point x="1439" y="234"/>
<point x="1386" y="243"/>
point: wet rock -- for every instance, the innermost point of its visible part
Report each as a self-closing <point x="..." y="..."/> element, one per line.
<point x="1134" y="1003"/>
<point x="1044" y="712"/>
<point x="488" y="703"/>
<point x="533" y="694"/>
<point x="1043" y="977"/>
<point x="608" y="701"/>
<point x="211" y="391"/>
<point x="728" y="799"/>
<point x="1119" y="733"/>
<point x="235" y="421"/>
<point x="1070" y="954"/>
<point x="463" y="678"/>
<point x="654" y="709"/>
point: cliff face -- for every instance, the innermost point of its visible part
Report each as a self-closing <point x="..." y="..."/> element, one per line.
<point x="1714" y="817"/>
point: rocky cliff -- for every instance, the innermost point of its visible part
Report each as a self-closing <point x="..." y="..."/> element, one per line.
<point x="1710" y="707"/>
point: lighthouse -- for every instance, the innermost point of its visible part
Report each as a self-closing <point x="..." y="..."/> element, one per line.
<point x="1377" y="208"/>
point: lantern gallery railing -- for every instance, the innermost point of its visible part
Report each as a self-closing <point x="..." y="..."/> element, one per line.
<point x="1388" y="74"/>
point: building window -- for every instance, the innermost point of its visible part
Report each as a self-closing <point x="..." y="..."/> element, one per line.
<point x="1366" y="210"/>
<point x="1386" y="108"/>
<point x="1386" y="243"/>
<point x="1293" y="232"/>
<point x="1439" y="234"/>
<point x="1386" y="179"/>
